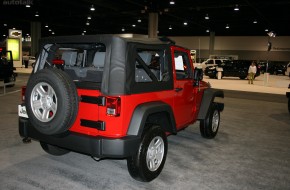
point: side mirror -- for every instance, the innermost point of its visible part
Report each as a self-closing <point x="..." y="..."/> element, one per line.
<point x="197" y="75"/>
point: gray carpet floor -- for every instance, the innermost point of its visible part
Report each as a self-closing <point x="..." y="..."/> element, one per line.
<point x="251" y="151"/>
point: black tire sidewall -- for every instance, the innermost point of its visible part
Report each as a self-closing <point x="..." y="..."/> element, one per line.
<point x="53" y="150"/>
<point x="66" y="94"/>
<point x="137" y="165"/>
<point x="206" y="125"/>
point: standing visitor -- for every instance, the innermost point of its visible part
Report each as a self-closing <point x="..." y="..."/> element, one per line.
<point x="252" y="72"/>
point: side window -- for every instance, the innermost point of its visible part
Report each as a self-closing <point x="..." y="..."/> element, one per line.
<point x="182" y="65"/>
<point x="153" y="66"/>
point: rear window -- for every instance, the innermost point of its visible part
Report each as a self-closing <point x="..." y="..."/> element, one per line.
<point x="82" y="62"/>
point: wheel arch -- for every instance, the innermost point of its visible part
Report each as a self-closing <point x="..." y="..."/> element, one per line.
<point x="152" y="112"/>
<point x="209" y="96"/>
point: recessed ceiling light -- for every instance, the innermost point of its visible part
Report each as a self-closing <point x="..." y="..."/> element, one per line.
<point x="170" y="27"/>
<point x="4" y="35"/>
<point x="266" y="30"/>
<point x="237" y="7"/>
<point x="207" y="31"/>
<point x="227" y="26"/>
<point x="84" y="31"/>
<point x="171" y="2"/>
<point x="27" y="6"/>
<point x="139" y="20"/>
<point x="5" y="24"/>
<point x="87" y="23"/>
<point x="89" y="17"/>
<point x="185" y="23"/>
<point x="206" y="17"/>
<point x="133" y="25"/>
<point x="46" y="26"/>
<point x="49" y="30"/>
<point x="255" y="21"/>
<point x="92" y="8"/>
<point x="52" y="33"/>
<point x="36" y="14"/>
<point x="123" y="29"/>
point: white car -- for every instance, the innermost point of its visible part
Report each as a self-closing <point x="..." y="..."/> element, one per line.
<point x="212" y="62"/>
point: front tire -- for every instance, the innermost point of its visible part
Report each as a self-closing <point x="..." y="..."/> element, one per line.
<point x="150" y="158"/>
<point x="53" y="150"/>
<point x="209" y="126"/>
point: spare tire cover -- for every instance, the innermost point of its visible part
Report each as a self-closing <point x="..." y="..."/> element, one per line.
<point x="51" y="101"/>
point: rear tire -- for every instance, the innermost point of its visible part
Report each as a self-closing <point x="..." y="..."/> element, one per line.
<point x="53" y="150"/>
<point x="209" y="126"/>
<point x="150" y="158"/>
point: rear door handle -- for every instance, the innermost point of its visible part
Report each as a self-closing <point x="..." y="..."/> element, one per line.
<point x="178" y="89"/>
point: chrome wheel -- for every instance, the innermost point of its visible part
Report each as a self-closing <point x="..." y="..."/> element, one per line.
<point x="43" y="102"/>
<point x="155" y="153"/>
<point x="215" y="121"/>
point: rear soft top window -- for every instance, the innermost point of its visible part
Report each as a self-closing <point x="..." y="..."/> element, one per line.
<point x="82" y="62"/>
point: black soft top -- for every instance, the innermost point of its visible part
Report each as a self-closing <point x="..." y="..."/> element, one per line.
<point x="118" y="73"/>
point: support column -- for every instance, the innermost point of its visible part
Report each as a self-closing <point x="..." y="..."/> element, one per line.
<point x="211" y="43"/>
<point x="153" y="25"/>
<point x="35" y="28"/>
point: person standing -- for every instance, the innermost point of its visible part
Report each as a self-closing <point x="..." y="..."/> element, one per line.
<point x="252" y="72"/>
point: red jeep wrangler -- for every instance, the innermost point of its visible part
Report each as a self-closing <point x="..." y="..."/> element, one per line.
<point x="113" y="97"/>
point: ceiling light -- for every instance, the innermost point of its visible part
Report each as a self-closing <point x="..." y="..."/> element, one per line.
<point x="89" y="17"/>
<point x="237" y="7"/>
<point x="4" y="35"/>
<point x="14" y="28"/>
<point x="133" y="25"/>
<point x="52" y="33"/>
<point x="27" y="34"/>
<point x="185" y="23"/>
<point x="36" y="14"/>
<point x="5" y="24"/>
<point x="255" y="21"/>
<point x="227" y="26"/>
<point x="266" y="30"/>
<point x="46" y="26"/>
<point x="207" y="31"/>
<point x="206" y="17"/>
<point x="92" y="8"/>
<point x="170" y="27"/>
<point x="87" y="23"/>
<point x="171" y="2"/>
<point x="123" y="29"/>
<point x="139" y="20"/>
<point x="84" y="31"/>
<point x="27" y="6"/>
<point x="49" y="30"/>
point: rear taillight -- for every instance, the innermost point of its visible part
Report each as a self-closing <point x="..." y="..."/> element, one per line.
<point x="23" y="89"/>
<point x="58" y="62"/>
<point x="113" y="105"/>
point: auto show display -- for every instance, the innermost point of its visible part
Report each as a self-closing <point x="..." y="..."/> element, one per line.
<point x="113" y="97"/>
<point x="231" y="68"/>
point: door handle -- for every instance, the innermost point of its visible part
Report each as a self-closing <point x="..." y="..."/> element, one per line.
<point x="178" y="89"/>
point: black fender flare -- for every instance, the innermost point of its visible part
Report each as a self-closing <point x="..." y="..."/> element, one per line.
<point x="142" y="112"/>
<point x="208" y="97"/>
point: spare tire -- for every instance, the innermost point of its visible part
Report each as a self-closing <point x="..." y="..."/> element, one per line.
<point x="51" y="101"/>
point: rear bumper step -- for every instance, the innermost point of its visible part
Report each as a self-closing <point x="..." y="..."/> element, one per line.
<point x="100" y="147"/>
